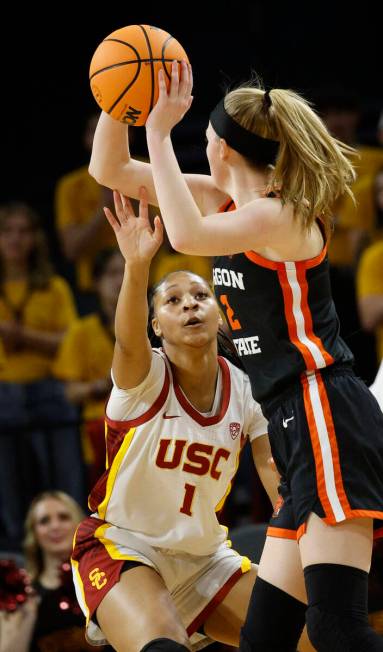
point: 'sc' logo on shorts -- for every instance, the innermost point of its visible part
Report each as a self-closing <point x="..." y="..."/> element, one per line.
<point x="98" y="578"/>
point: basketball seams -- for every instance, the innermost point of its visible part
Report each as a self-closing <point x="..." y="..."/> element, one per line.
<point x="151" y="65"/>
<point x="125" y="63"/>
<point x="170" y="38"/>
<point x="110" y="70"/>
<point x="126" y="89"/>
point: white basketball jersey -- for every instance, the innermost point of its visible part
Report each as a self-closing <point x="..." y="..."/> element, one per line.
<point x="169" y="467"/>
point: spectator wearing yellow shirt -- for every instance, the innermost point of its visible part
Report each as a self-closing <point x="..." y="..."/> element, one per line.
<point x="80" y="221"/>
<point x="370" y="292"/>
<point x="85" y="358"/>
<point x="38" y="442"/>
<point x="354" y="222"/>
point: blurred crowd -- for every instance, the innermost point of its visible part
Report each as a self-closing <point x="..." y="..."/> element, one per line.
<point x="57" y="337"/>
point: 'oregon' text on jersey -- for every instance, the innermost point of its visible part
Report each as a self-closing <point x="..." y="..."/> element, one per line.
<point x="281" y="316"/>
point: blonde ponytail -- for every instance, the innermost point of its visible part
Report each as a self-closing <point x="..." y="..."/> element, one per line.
<point x="312" y="168"/>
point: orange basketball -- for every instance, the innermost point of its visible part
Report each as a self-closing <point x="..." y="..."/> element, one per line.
<point x="124" y="71"/>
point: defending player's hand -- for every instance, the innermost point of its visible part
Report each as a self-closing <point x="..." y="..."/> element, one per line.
<point x="171" y="106"/>
<point x="137" y="241"/>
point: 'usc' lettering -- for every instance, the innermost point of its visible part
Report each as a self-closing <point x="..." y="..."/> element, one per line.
<point x="200" y="458"/>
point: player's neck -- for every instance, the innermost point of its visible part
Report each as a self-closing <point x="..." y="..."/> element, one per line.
<point x="196" y="374"/>
<point x="246" y="184"/>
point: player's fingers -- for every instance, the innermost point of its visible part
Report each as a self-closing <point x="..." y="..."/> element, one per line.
<point x="174" y="84"/>
<point x="128" y="208"/>
<point x="184" y="82"/>
<point x="158" y="229"/>
<point x="143" y="210"/>
<point x="111" y="219"/>
<point x="162" y="90"/>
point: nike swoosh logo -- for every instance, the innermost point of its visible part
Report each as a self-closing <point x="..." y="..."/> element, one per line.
<point x="170" y="416"/>
<point x="285" y="421"/>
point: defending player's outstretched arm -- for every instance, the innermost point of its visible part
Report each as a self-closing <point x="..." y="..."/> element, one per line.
<point x="138" y="243"/>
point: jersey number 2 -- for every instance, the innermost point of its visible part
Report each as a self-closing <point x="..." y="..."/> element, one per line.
<point x="188" y="499"/>
<point x="235" y="324"/>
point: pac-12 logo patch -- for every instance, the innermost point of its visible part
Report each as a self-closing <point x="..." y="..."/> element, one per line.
<point x="235" y="429"/>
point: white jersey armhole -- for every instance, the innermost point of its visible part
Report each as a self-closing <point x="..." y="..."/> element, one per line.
<point x="128" y="404"/>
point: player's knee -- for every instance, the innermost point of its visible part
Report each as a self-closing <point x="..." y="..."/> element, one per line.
<point x="164" y="645"/>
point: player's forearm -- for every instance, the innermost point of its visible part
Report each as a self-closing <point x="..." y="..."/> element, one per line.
<point x="110" y="150"/>
<point x="132" y="309"/>
<point x="180" y="213"/>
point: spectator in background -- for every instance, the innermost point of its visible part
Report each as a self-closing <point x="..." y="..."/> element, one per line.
<point x="167" y="260"/>
<point x="37" y="448"/>
<point x="340" y="110"/>
<point x="50" y="620"/>
<point x="85" y="359"/>
<point x="370" y="292"/>
<point x="80" y="220"/>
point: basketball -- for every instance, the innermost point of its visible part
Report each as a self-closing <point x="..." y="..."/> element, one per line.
<point x="124" y="71"/>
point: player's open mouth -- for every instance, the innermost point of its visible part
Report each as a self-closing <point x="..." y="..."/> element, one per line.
<point x="193" y="321"/>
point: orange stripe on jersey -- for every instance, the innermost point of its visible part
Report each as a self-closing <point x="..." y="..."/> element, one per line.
<point x="227" y="206"/>
<point x="334" y="445"/>
<point x="302" y="280"/>
<point x="321" y="484"/>
<point x="291" y="319"/>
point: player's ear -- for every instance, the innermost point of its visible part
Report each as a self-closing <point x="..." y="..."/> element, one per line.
<point x="223" y="149"/>
<point x="156" y="327"/>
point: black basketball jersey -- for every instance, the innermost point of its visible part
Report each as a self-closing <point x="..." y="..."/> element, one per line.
<point x="281" y="316"/>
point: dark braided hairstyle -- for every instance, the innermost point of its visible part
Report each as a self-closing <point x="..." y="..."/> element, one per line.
<point x="226" y="346"/>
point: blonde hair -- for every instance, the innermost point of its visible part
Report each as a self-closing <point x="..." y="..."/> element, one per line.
<point x="312" y="168"/>
<point x="34" y="560"/>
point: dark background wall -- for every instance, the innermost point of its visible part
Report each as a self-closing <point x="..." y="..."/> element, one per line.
<point x="45" y="56"/>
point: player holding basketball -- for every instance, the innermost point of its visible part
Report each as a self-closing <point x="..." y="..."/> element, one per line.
<point x="271" y="154"/>
<point x="153" y="563"/>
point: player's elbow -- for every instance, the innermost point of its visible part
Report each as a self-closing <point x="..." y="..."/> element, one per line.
<point x="183" y="243"/>
<point x="98" y="173"/>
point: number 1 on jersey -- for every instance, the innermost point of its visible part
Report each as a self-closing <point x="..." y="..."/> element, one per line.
<point x="235" y="324"/>
<point x="188" y="499"/>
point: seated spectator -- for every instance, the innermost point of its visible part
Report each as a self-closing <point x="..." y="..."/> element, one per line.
<point x="85" y="359"/>
<point x="38" y="441"/>
<point x="50" y="620"/>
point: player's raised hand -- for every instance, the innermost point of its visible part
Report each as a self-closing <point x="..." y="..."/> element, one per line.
<point x="171" y="106"/>
<point x="137" y="240"/>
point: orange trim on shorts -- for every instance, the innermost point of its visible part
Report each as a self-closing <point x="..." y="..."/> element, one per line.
<point x="281" y="533"/>
<point x="334" y="445"/>
<point x="320" y="478"/>
<point x="214" y="602"/>
<point x="301" y="531"/>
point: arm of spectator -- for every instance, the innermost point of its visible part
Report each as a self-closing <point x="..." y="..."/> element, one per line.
<point x="16" y="629"/>
<point x="17" y="337"/>
<point x="371" y="311"/>
<point x="369" y="284"/>
<point x="78" y="392"/>
<point x="269" y="477"/>
<point x="77" y="239"/>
